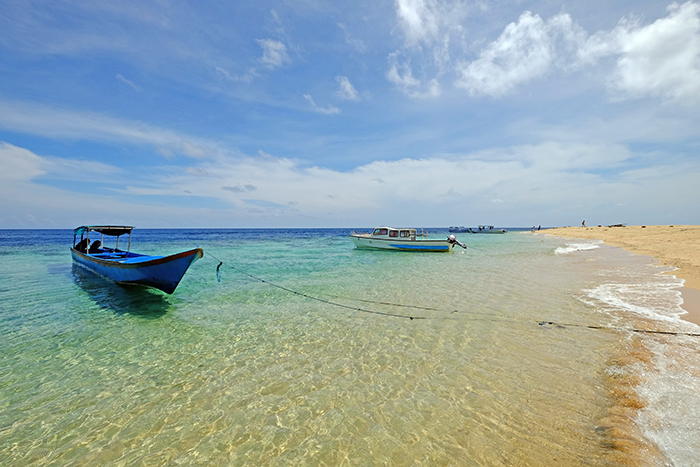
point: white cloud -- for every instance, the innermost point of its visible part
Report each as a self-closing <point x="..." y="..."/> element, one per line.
<point x="19" y="164"/>
<point x="357" y="44"/>
<point x="418" y="19"/>
<point x="501" y="182"/>
<point x="196" y="171"/>
<point x="424" y="22"/>
<point x="524" y="51"/>
<point x="401" y="75"/>
<point x="329" y="110"/>
<point x="196" y="151"/>
<point x="274" y="53"/>
<point x="78" y="169"/>
<point x="568" y="170"/>
<point x="430" y="29"/>
<point x="346" y="91"/>
<point x="58" y="123"/>
<point x="239" y="189"/>
<point x="661" y="59"/>
<point x="246" y="78"/>
<point x="129" y="83"/>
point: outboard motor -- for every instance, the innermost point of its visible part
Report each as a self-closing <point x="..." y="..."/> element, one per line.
<point x="453" y="240"/>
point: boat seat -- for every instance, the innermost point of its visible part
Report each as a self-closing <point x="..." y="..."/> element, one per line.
<point x="82" y="245"/>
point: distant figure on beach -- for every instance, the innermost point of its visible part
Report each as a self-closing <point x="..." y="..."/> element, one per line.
<point x="583" y="224"/>
<point x="539" y="227"/>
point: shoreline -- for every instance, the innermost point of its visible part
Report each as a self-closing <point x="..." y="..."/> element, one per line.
<point x="677" y="246"/>
<point x="691" y="304"/>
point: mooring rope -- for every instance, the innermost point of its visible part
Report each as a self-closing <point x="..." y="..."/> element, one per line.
<point x="417" y="307"/>
<point x="310" y="297"/>
<point x="486" y="316"/>
<point x="339" y="297"/>
<point x="614" y="328"/>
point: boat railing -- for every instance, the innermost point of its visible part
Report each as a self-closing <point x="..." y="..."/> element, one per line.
<point x="352" y="232"/>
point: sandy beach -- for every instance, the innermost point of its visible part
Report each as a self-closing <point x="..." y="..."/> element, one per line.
<point x="677" y="246"/>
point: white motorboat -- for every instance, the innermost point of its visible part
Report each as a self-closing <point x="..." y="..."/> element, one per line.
<point x="486" y="229"/>
<point x="389" y="238"/>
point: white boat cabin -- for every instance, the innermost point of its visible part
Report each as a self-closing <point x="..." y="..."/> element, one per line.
<point x="391" y="233"/>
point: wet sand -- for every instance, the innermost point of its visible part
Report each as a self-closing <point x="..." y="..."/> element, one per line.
<point x="677" y="246"/>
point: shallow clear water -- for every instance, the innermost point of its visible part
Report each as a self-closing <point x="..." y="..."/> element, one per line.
<point x="241" y="372"/>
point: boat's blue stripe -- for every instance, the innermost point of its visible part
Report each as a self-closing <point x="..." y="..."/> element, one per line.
<point x="420" y="247"/>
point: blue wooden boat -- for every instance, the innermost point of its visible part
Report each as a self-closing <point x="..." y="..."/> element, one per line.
<point x="126" y="267"/>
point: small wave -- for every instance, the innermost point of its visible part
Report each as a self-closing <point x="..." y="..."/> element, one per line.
<point x="572" y="247"/>
<point x="651" y="300"/>
<point x="647" y="292"/>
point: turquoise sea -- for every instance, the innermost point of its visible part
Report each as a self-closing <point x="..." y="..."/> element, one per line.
<point x="525" y="349"/>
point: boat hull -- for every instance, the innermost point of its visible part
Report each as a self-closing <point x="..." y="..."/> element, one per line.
<point x="495" y="231"/>
<point x="160" y="272"/>
<point x="401" y="245"/>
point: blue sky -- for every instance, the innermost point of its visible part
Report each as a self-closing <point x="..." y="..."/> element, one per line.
<point x="316" y="113"/>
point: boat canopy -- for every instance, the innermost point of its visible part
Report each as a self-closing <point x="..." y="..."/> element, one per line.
<point x="110" y="230"/>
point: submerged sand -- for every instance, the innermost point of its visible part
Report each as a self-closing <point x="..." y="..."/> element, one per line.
<point x="677" y="246"/>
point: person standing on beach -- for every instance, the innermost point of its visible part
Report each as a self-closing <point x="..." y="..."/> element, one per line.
<point x="583" y="224"/>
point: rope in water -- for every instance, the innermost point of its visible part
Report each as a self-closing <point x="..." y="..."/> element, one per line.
<point x="310" y="297"/>
<point x="410" y="317"/>
<point x="613" y="328"/>
<point x="373" y="302"/>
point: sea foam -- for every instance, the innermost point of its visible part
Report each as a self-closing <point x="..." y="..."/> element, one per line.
<point x="573" y="247"/>
<point x="655" y="300"/>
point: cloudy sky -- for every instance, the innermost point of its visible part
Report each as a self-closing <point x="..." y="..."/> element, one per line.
<point x="319" y="113"/>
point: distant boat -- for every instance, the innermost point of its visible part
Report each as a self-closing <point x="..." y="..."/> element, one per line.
<point x="486" y="229"/>
<point x="389" y="238"/>
<point x="126" y="267"/>
<point x="460" y="229"/>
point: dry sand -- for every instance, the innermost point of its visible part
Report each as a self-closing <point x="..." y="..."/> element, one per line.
<point x="672" y="245"/>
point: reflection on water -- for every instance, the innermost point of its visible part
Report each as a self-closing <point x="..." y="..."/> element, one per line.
<point x="121" y="299"/>
<point x="63" y="269"/>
